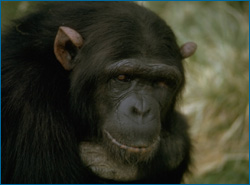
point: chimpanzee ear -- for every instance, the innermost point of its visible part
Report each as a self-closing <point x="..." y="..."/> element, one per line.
<point x="188" y="49"/>
<point x="66" y="45"/>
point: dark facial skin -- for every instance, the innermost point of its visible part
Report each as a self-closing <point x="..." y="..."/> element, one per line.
<point x="137" y="94"/>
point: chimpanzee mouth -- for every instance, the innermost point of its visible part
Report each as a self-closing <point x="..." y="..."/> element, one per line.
<point x="133" y="149"/>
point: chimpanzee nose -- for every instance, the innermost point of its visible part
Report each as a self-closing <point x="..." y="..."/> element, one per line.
<point x="139" y="119"/>
<point x="140" y="108"/>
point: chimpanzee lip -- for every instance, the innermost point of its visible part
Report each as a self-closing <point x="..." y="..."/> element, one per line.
<point x="130" y="148"/>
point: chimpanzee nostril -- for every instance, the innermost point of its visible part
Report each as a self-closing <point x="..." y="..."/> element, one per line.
<point x="146" y="112"/>
<point x="135" y="110"/>
<point x="142" y="111"/>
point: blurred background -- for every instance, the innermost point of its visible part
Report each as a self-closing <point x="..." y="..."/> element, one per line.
<point x="216" y="97"/>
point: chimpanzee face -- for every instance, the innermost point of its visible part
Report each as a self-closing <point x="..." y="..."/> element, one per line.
<point x="133" y="101"/>
<point x="133" y="98"/>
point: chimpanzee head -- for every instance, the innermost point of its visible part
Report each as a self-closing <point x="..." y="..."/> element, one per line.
<point x="129" y="69"/>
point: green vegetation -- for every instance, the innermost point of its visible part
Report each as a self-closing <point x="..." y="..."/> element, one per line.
<point x="233" y="172"/>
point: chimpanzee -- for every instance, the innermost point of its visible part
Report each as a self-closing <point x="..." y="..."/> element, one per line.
<point x="88" y="96"/>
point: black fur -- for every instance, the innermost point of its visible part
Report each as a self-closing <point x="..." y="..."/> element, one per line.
<point x="47" y="111"/>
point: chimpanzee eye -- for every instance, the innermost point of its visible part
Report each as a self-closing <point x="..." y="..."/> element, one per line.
<point x="162" y="84"/>
<point x="124" y="78"/>
<point x="166" y="83"/>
